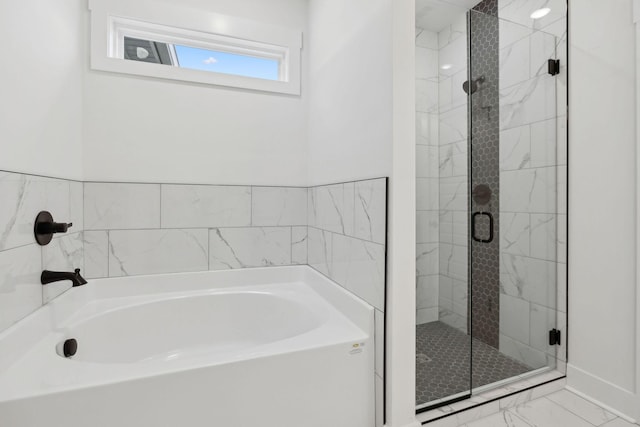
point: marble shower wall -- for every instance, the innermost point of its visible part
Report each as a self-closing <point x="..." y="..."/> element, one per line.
<point x="453" y="175"/>
<point x="441" y="169"/>
<point x="134" y="229"/>
<point x="427" y="215"/>
<point x="533" y="163"/>
<point x="21" y="258"/>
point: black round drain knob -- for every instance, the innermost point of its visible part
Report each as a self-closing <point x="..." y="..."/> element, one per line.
<point x="70" y="347"/>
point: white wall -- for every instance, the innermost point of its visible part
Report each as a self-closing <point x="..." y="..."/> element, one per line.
<point x="362" y="124"/>
<point x="351" y="97"/>
<point x="151" y="130"/>
<point x="41" y="75"/>
<point x="602" y="203"/>
<point x="401" y="261"/>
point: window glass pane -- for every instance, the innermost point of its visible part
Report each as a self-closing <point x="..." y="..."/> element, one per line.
<point x="147" y="51"/>
<point x="227" y="63"/>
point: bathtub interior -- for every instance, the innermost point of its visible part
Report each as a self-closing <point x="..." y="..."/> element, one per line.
<point x="179" y="327"/>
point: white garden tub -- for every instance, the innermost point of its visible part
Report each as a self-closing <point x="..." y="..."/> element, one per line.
<point x="260" y="347"/>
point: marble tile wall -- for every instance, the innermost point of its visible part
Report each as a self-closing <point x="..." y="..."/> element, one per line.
<point x="347" y="236"/>
<point x="21" y="258"/>
<point x="532" y="157"/>
<point x="346" y="242"/>
<point x="453" y="175"/>
<point x="123" y="229"/>
<point x="427" y="175"/>
<point x="136" y="229"/>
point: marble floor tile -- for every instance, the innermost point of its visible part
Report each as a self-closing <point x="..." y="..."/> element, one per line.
<point x="545" y="413"/>
<point x="619" y="422"/>
<point x="506" y="419"/>
<point x="559" y="409"/>
<point x="581" y="407"/>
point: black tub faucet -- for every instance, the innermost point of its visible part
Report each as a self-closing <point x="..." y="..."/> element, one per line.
<point x="56" y="276"/>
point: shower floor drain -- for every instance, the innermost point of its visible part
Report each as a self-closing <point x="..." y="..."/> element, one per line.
<point x="422" y="358"/>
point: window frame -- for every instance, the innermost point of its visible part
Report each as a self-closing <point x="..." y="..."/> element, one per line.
<point x="112" y="20"/>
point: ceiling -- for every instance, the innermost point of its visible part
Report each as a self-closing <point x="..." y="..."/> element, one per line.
<point x="435" y="15"/>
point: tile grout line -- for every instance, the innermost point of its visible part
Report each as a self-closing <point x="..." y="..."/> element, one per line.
<point x="348" y="236"/>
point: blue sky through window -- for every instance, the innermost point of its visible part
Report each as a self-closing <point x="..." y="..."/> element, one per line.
<point x="227" y="63"/>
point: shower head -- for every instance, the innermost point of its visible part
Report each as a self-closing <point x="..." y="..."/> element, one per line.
<point x="473" y="85"/>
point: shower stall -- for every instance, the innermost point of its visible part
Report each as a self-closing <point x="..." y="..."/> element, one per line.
<point x="491" y="163"/>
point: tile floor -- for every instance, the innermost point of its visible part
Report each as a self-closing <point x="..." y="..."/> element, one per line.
<point x="443" y="363"/>
<point x="560" y="409"/>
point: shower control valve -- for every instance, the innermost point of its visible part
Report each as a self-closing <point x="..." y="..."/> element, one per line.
<point x="44" y="228"/>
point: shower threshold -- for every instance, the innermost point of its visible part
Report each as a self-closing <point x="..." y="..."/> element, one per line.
<point x="488" y="399"/>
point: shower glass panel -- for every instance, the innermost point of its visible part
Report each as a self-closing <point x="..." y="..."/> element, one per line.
<point x="514" y="217"/>
<point x="492" y="211"/>
<point x="443" y="345"/>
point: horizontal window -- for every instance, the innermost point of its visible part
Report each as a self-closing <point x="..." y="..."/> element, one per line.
<point x="227" y="63"/>
<point x="233" y="52"/>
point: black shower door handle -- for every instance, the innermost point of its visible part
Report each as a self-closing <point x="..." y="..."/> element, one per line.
<point x="473" y="227"/>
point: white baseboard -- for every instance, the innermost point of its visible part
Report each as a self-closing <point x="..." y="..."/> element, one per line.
<point x="617" y="400"/>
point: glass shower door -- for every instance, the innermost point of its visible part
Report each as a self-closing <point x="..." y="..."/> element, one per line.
<point x="443" y="344"/>
<point x="491" y="243"/>
<point x="514" y="212"/>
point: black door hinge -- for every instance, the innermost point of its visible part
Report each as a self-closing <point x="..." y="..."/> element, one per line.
<point x="554" y="66"/>
<point x="554" y="337"/>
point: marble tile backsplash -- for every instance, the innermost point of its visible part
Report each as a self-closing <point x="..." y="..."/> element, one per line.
<point x="339" y="229"/>
<point x="164" y="228"/>
<point x="123" y="229"/>
<point x="347" y="236"/>
<point x="21" y="258"/>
